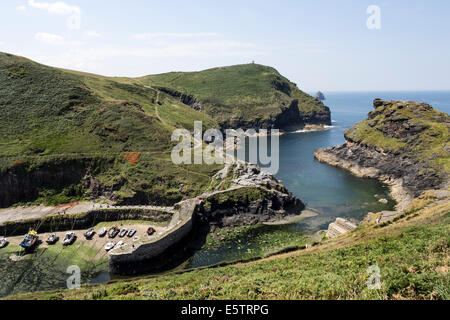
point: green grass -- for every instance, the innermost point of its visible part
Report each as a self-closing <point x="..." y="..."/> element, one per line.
<point x="243" y="195"/>
<point x="55" y="120"/>
<point x="238" y="94"/>
<point x="373" y="137"/>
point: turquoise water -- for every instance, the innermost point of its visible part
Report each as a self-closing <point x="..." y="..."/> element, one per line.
<point x="335" y="192"/>
<point x="331" y="191"/>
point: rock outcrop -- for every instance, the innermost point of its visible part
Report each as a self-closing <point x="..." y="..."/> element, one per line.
<point x="186" y="99"/>
<point x="246" y="195"/>
<point x="320" y="96"/>
<point x="402" y="143"/>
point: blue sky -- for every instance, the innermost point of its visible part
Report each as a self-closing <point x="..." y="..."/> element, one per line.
<point x="320" y="45"/>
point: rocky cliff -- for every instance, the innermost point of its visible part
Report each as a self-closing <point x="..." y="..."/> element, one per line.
<point x="403" y="143"/>
<point x="246" y="195"/>
<point x="320" y="96"/>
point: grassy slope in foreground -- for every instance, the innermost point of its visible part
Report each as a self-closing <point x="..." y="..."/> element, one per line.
<point x="247" y="95"/>
<point x="412" y="253"/>
<point x="58" y="125"/>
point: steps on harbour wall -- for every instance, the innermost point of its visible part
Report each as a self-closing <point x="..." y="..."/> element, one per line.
<point x="339" y="227"/>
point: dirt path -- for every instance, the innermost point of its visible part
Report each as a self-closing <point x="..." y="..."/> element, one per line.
<point x="156" y="104"/>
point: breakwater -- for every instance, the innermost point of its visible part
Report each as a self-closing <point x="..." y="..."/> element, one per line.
<point x="141" y="257"/>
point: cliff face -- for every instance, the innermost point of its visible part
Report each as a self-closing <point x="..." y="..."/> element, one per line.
<point x="404" y="143"/>
<point x="17" y="184"/>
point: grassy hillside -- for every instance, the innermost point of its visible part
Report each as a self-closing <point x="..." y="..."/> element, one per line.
<point x="412" y="253"/>
<point x="112" y="128"/>
<point x="69" y="135"/>
<point x="241" y="94"/>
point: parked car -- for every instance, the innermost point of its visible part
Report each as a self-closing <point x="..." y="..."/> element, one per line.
<point x="123" y="233"/>
<point x="109" y="246"/>
<point x="113" y="232"/>
<point x="89" y="234"/>
<point x="52" y="239"/>
<point x="119" y="244"/>
<point x="3" y="243"/>
<point x="132" y="232"/>
<point x="102" y="232"/>
<point x="151" y="231"/>
<point x="69" y="239"/>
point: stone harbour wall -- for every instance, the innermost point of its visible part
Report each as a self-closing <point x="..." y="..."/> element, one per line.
<point x="81" y="221"/>
<point x="138" y="257"/>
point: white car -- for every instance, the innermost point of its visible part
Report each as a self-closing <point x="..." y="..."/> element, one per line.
<point x="109" y="246"/>
<point x="52" y="239"/>
<point x="132" y="232"/>
<point x="102" y="232"/>
<point x="123" y="232"/>
<point x="119" y="244"/>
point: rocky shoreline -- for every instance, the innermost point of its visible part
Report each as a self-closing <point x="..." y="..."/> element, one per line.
<point x="399" y="192"/>
<point x="402" y="144"/>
